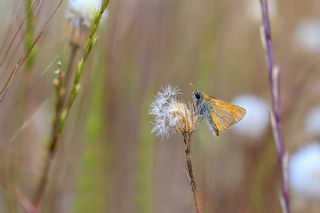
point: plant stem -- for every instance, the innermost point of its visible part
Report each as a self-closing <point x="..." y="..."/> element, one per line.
<point x="187" y="143"/>
<point x="63" y="99"/>
<point x="274" y="84"/>
<point x="61" y="84"/>
<point x="42" y="184"/>
<point x="80" y="66"/>
<point x="28" y="39"/>
<point x="74" y="50"/>
<point x="55" y="135"/>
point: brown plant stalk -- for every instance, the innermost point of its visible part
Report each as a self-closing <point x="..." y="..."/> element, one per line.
<point x="187" y="143"/>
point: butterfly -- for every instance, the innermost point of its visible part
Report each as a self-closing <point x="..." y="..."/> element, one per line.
<point x="219" y="115"/>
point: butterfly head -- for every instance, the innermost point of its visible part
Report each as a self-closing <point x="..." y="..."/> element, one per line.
<point x="198" y="102"/>
<point x="197" y="95"/>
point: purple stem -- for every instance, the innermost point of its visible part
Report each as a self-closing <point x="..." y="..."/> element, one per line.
<point x="276" y="114"/>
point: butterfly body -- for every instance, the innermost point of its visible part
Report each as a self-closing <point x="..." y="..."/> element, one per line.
<point x="218" y="114"/>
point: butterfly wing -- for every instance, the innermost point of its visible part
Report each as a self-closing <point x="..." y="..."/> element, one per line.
<point x="224" y="114"/>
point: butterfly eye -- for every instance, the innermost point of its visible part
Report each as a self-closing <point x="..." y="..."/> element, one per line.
<point x="197" y="95"/>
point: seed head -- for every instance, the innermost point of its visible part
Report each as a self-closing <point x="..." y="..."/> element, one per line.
<point x="81" y="12"/>
<point x="183" y="117"/>
<point x="79" y="16"/>
<point x="171" y="115"/>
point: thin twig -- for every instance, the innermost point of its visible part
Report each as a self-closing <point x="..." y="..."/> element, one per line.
<point x="31" y="86"/>
<point x="187" y="143"/>
<point x="274" y="83"/>
<point x="29" y="10"/>
<point x="24" y="57"/>
<point x="10" y="21"/>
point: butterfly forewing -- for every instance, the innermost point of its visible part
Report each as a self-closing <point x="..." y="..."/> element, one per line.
<point x="224" y="114"/>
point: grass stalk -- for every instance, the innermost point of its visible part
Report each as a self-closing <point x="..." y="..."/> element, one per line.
<point x="23" y="58"/>
<point x="60" y="96"/>
<point x="80" y="66"/>
<point x="274" y="84"/>
<point x="62" y="111"/>
<point x="28" y="38"/>
<point x="68" y="78"/>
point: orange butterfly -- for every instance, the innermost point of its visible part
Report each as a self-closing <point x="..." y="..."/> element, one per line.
<point x="218" y="114"/>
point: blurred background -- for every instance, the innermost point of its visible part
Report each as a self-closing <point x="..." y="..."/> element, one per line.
<point x="108" y="159"/>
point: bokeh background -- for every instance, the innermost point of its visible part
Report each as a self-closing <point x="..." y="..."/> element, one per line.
<point x="108" y="159"/>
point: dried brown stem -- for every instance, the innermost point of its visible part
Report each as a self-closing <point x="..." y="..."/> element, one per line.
<point x="187" y="143"/>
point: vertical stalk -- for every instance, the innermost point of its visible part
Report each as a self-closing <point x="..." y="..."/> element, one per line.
<point x="74" y="50"/>
<point x="28" y="39"/>
<point x="196" y="198"/>
<point x="61" y="83"/>
<point x="64" y="102"/>
<point x="42" y="184"/>
<point x="55" y="135"/>
<point x="274" y="83"/>
<point x="80" y="66"/>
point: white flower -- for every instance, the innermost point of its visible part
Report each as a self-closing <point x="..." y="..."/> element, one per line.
<point x="257" y="117"/>
<point x="307" y="35"/>
<point x="171" y="115"/>
<point x="253" y="10"/>
<point x="304" y="171"/>
<point x="313" y="122"/>
<point x="81" y="12"/>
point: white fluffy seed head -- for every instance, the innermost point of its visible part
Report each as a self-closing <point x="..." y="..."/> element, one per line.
<point x="304" y="171"/>
<point x="81" y="12"/>
<point x="171" y="115"/>
<point x="160" y="110"/>
<point x="79" y="16"/>
<point x="256" y="120"/>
